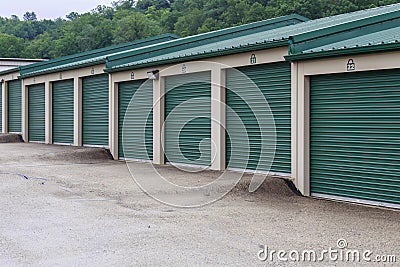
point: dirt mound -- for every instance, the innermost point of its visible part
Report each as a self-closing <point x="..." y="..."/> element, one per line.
<point x="272" y="185"/>
<point x="78" y="154"/>
<point x="10" y="138"/>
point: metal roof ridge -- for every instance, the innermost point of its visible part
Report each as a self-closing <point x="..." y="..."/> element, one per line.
<point x="374" y="38"/>
<point x="348" y="25"/>
<point x="344" y="51"/>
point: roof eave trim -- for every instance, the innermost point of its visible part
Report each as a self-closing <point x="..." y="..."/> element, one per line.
<point x="260" y="46"/>
<point x="9" y="71"/>
<point x="343" y="52"/>
<point x="77" y="66"/>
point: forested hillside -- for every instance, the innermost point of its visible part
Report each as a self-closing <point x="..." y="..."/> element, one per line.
<point x="128" y="20"/>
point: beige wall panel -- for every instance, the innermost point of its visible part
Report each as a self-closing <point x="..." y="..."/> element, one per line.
<point x="4" y="109"/>
<point x="65" y="75"/>
<point x="237" y="60"/>
<point x="9" y="77"/>
<point x="366" y="62"/>
<point x="113" y="123"/>
<point x="48" y="112"/>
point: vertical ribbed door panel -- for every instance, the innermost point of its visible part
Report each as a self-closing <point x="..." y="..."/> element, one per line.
<point x="95" y="110"/>
<point x="355" y="135"/>
<point x="63" y="112"/>
<point x="135" y="120"/>
<point x="36" y="113"/>
<point x="14" y="95"/>
<point x="273" y="81"/>
<point x="188" y="124"/>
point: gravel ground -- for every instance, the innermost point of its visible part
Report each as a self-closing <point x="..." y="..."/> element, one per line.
<point x="78" y="208"/>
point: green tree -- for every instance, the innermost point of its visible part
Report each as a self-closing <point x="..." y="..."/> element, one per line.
<point x="143" y="5"/>
<point x="128" y="20"/>
<point x="255" y="13"/>
<point x="235" y="13"/>
<point x="11" y="46"/>
<point x="72" y="16"/>
<point x="89" y="31"/>
<point x="130" y="26"/>
<point x="30" y="16"/>
<point x="41" y="47"/>
<point x="190" y="24"/>
<point x="124" y="4"/>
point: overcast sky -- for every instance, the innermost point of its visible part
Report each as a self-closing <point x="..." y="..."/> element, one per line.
<point x="48" y="9"/>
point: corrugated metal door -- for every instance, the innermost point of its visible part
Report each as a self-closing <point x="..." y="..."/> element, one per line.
<point x="273" y="80"/>
<point x="355" y="135"/>
<point x="63" y="112"/>
<point x="133" y="117"/>
<point x="189" y="143"/>
<point x="95" y="107"/>
<point x="14" y="95"/>
<point x="36" y="113"/>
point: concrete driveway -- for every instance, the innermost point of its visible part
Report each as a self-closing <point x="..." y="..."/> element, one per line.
<point x="65" y="206"/>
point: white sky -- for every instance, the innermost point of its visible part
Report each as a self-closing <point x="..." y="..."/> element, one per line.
<point x="48" y="9"/>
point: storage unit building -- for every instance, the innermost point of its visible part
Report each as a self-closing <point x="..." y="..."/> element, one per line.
<point x="324" y="113"/>
<point x="352" y="91"/>
<point x="183" y="87"/>
<point x="78" y="93"/>
<point x="257" y="54"/>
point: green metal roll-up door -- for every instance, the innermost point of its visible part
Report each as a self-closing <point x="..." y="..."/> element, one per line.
<point x="63" y="112"/>
<point x="14" y="95"/>
<point x="274" y="81"/>
<point x="95" y="107"/>
<point x="36" y="113"/>
<point x="133" y="117"/>
<point x="355" y="136"/>
<point x="192" y="143"/>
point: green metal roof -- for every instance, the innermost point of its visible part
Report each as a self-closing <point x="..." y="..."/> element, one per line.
<point x="379" y="41"/>
<point x="89" y="58"/>
<point x="9" y="71"/>
<point x="152" y="45"/>
<point x="205" y="39"/>
<point x="304" y="35"/>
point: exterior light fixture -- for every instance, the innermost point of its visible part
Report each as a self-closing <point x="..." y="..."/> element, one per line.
<point x="153" y="75"/>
